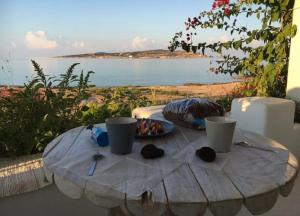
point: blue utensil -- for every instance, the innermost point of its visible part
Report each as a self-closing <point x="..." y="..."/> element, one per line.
<point x="96" y="157"/>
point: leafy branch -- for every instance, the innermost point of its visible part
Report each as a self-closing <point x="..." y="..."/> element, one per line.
<point x="265" y="63"/>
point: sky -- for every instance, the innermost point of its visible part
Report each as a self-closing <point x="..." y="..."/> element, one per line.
<point x="44" y="28"/>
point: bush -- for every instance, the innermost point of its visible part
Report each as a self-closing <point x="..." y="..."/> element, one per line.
<point x="116" y="102"/>
<point x="264" y="65"/>
<point x="245" y="89"/>
<point x="43" y="109"/>
<point x="48" y="106"/>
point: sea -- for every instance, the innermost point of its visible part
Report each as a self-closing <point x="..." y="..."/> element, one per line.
<point x="117" y="72"/>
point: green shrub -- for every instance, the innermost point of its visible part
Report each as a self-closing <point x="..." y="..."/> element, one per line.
<point x="116" y="102"/>
<point x="265" y="65"/>
<point x="226" y="102"/>
<point x="43" y="109"/>
<point x="48" y="106"/>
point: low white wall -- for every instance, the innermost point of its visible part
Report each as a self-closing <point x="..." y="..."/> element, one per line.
<point x="48" y="201"/>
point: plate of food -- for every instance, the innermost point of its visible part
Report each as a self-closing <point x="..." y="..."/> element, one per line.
<point x="151" y="128"/>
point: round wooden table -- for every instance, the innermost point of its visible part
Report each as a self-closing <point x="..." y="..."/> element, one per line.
<point x="246" y="176"/>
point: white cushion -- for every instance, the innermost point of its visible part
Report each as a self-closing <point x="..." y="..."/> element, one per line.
<point x="271" y="117"/>
<point x="154" y="112"/>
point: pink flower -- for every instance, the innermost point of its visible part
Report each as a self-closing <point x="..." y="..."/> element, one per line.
<point x="219" y="3"/>
<point x="226" y="11"/>
<point x="214" y="6"/>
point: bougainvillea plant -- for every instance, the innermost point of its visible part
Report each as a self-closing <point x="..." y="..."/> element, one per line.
<point x="263" y="52"/>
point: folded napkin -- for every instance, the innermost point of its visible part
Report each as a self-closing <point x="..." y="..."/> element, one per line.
<point x="187" y="155"/>
<point x="255" y="140"/>
<point x="130" y="176"/>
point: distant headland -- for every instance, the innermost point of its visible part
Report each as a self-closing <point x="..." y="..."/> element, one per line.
<point x="159" y="53"/>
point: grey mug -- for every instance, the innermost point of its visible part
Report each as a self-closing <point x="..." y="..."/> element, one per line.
<point x="121" y="132"/>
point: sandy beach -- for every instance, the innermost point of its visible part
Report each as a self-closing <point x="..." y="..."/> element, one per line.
<point x="197" y="90"/>
<point x="165" y="93"/>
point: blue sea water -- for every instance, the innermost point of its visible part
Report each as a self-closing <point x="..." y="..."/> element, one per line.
<point x="118" y="72"/>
